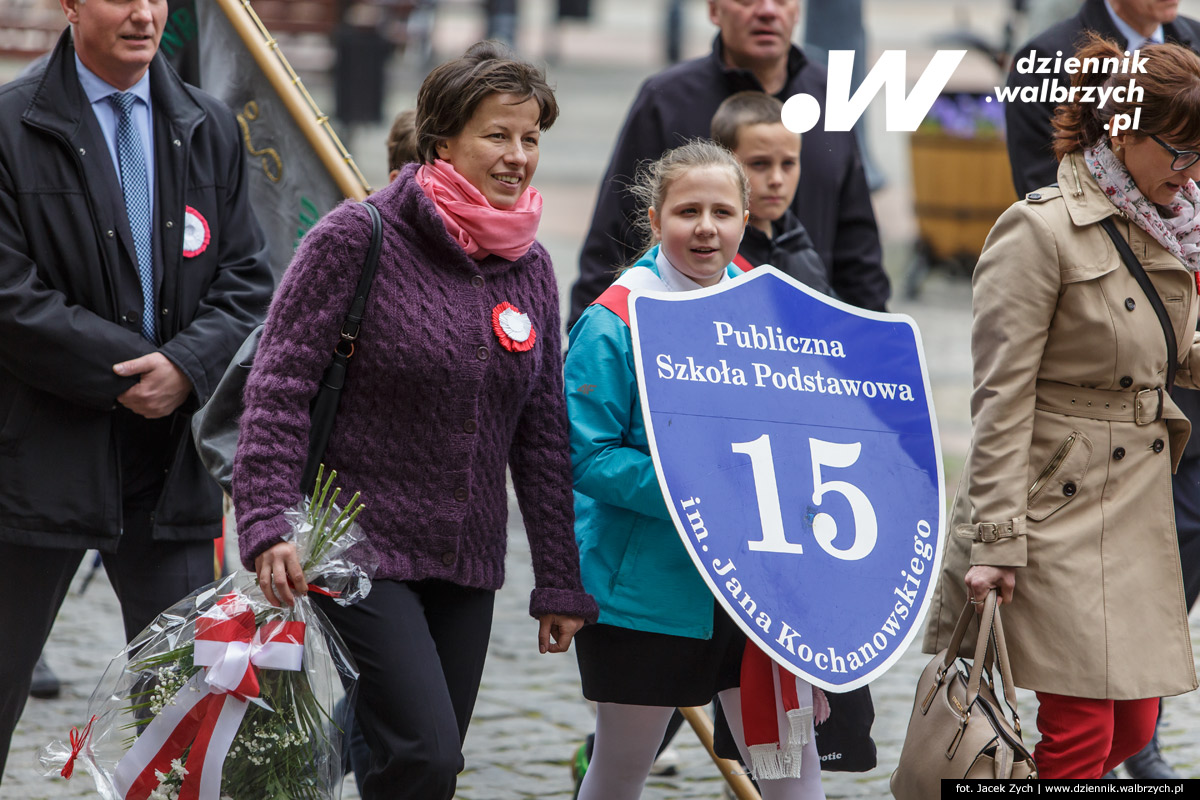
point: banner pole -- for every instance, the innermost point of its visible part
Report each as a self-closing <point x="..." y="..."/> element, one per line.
<point x="287" y="84"/>
<point x="739" y="781"/>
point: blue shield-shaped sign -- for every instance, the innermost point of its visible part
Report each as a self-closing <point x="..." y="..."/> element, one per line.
<point x="796" y="446"/>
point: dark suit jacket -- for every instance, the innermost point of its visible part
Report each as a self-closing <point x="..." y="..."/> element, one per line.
<point x="71" y="303"/>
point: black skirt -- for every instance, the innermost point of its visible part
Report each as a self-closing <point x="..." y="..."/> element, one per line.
<point x="621" y="665"/>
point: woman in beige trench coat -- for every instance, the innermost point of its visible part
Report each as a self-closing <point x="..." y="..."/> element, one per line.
<point x="1065" y="502"/>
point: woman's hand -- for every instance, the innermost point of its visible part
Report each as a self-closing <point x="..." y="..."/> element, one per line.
<point x="279" y="572"/>
<point x="981" y="579"/>
<point x="561" y="629"/>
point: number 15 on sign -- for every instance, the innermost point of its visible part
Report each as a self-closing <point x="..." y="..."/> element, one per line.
<point x="824" y="455"/>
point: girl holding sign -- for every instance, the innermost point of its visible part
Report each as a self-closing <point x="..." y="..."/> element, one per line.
<point x="661" y="641"/>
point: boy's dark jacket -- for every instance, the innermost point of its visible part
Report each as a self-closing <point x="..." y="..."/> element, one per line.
<point x="790" y="251"/>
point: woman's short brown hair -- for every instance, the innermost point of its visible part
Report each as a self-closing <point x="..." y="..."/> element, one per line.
<point x="1169" y="95"/>
<point x="453" y="91"/>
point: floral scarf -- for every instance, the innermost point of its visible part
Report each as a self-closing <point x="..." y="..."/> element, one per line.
<point x="1176" y="227"/>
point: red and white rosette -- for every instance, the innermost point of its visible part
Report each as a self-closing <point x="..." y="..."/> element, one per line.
<point x="206" y="713"/>
<point x="513" y="328"/>
<point x="196" y="234"/>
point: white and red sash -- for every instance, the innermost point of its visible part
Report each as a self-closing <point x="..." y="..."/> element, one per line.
<point x="616" y="297"/>
<point x="742" y="263"/>
<point x="206" y="713"/>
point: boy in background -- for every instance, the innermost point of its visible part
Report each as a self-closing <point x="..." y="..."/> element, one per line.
<point x="402" y="142"/>
<point x="749" y="124"/>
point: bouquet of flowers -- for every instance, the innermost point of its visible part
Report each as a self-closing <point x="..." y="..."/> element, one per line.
<point x="226" y="697"/>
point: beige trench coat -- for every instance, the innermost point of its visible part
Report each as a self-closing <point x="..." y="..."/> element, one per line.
<point x="1069" y="473"/>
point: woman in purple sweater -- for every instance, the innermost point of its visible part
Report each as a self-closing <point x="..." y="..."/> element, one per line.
<point x="457" y="374"/>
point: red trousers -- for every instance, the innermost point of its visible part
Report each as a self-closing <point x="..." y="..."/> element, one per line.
<point x="1084" y="738"/>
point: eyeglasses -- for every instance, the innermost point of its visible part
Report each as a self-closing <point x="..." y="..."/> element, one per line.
<point x="1182" y="158"/>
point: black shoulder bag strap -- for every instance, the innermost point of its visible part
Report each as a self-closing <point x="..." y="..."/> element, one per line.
<point x="1139" y="274"/>
<point x="325" y="404"/>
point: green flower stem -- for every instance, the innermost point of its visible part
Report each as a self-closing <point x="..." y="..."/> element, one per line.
<point x="326" y="527"/>
<point x="320" y="473"/>
<point x="319" y="502"/>
<point x="349" y="521"/>
<point x="327" y="534"/>
<point x="319" y="531"/>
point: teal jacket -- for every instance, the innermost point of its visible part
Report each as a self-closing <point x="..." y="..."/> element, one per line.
<point x="631" y="557"/>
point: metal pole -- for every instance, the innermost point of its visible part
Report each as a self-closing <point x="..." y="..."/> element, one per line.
<point x="738" y="780"/>
<point x="297" y="100"/>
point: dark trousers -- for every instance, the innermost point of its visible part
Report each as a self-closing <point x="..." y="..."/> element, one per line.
<point x="420" y="648"/>
<point x="148" y="576"/>
<point x="1186" y="488"/>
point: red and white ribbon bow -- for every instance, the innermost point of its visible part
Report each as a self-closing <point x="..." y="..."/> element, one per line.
<point x="230" y="646"/>
<point x="206" y="713"/>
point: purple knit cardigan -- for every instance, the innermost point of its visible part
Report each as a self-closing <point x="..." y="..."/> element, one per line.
<point x="433" y="410"/>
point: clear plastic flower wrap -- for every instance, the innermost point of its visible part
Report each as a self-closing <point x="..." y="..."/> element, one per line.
<point x="226" y="697"/>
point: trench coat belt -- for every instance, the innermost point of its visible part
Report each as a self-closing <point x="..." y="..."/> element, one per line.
<point x="1140" y="407"/>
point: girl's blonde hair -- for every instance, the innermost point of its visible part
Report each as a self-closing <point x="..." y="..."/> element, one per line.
<point x="654" y="179"/>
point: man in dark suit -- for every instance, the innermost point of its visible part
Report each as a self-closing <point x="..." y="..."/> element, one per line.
<point x="131" y="268"/>
<point x="1130" y="23"/>
<point x="752" y="51"/>
<point x="1133" y="24"/>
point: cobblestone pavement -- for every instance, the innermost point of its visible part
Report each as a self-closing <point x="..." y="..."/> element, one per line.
<point x="529" y="718"/>
<point x="530" y="715"/>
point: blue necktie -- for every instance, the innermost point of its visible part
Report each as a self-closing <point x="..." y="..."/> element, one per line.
<point x="136" y="186"/>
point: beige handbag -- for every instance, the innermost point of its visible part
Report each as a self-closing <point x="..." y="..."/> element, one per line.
<point x="958" y="729"/>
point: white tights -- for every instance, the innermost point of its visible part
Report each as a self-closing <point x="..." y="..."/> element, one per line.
<point x="627" y="740"/>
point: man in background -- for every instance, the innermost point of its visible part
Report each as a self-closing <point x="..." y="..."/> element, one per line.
<point x="131" y="268"/>
<point x="1130" y="23"/>
<point x="752" y="51"/>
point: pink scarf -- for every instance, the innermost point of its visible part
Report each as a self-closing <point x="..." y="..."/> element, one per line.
<point x="1175" y="227"/>
<point x="478" y="227"/>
